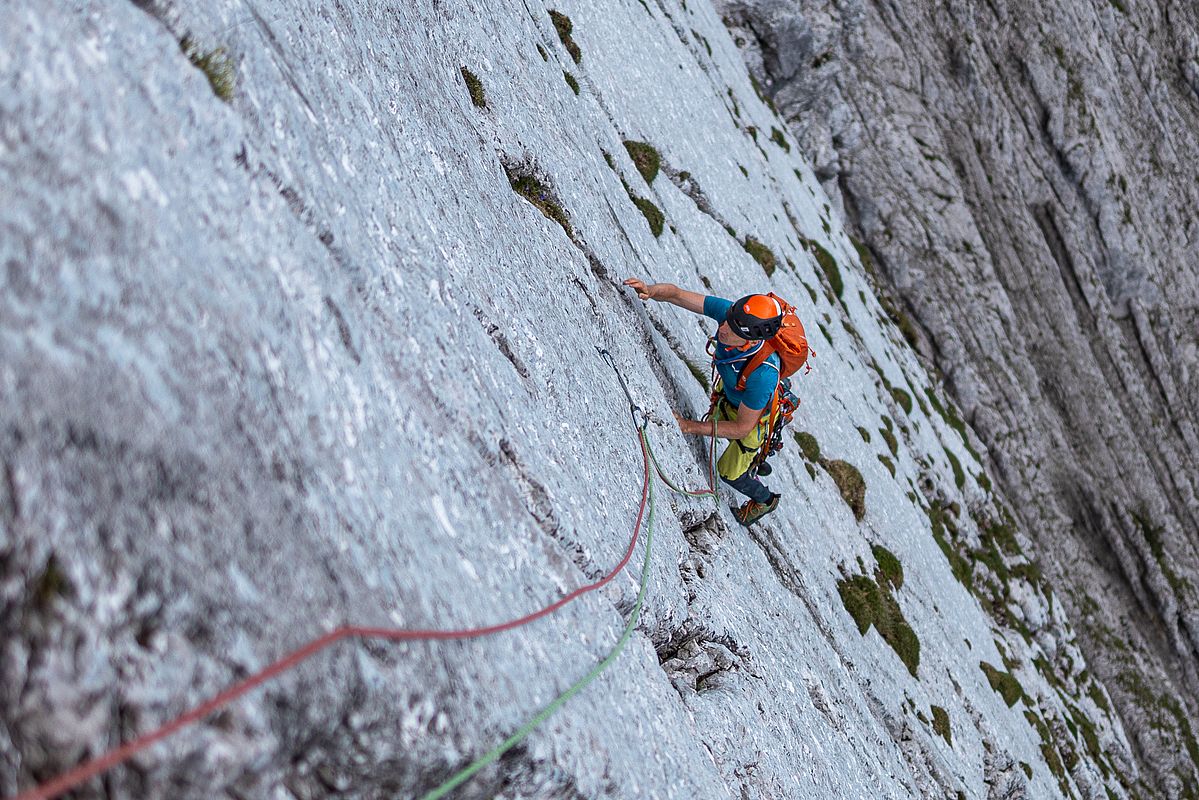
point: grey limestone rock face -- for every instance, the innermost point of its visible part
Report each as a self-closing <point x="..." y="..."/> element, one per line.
<point x="1025" y="178"/>
<point x="299" y="308"/>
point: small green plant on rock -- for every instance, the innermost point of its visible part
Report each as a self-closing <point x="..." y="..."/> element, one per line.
<point x="1004" y="683"/>
<point x="761" y="253"/>
<point x="961" y="568"/>
<point x="778" y="138"/>
<point x="537" y="193"/>
<point x="828" y="265"/>
<point x="645" y="157"/>
<point x="653" y="214"/>
<point x="888" y="566"/>
<point x="1048" y="751"/>
<point x="571" y="82"/>
<point x="475" y="87"/>
<point x="564" y="27"/>
<point x="215" y="64"/>
<point x="808" y="445"/>
<point x="871" y="603"/>
<point x="889" y="438"/>
<point x="941" y="724"/>
<point x="959" y="477"/>
<point x="850" y="483"/>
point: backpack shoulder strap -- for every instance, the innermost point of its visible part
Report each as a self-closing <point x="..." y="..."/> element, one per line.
<point x="759" y="358"/>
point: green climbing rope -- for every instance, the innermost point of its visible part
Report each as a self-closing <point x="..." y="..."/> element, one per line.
<point x="460" y="777"/>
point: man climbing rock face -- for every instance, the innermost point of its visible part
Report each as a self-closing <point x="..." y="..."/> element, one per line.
<point x="742" y="412"/>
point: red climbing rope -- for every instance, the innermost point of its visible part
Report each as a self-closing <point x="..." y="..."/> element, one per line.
<point x="90" y="769"/>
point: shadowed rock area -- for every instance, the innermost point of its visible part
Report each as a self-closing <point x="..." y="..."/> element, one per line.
<point x="1024" y="178"/>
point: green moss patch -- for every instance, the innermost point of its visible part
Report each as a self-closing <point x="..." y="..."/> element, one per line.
<point x="565" y="27"/>
<point x="1004" y="683"/>
<point x="865" y="434"/>
<point x="907" y="328"/>
<point x="1086" y="730"/>
<point x="475" y="87"/>
<point x="537" y="193"/>
<point x="778" y="138"/>
<point x="645" y="157"/>
<point x="941" y="724"/>
<point x="653" y="214"/>
<point x="888" y="463"/>
<point x="889" y="438"/>
<point x="570" y="81"/>
<point x="850" y="483"/>
<point x="761" y="95"/>
<point x="216" y="66"/>
<point x="808" y="445"/>
<point x="761" y="253"/>
<point x="828" y="265"/>
<point x="961" y="568"/>
<point x="870" y="602"/>
<point x="1048" y="751"/>
<point x="902" y="399"/>
<point x="949" y="413"/>
<point x="989" y="554"/>
<point x="1004" y="534"/>
<point x="1096" y="695"/>
<point x="959" y="477"/>
<point x="888" y="565"/>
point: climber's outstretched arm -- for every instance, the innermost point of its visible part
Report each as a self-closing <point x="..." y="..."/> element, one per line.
<point x="668" y="293"/>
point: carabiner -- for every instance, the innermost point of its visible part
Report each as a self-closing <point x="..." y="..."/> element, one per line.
<point x="634" y="409"/>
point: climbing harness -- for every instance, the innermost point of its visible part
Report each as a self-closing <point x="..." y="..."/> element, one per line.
<point x="101" y="764"/>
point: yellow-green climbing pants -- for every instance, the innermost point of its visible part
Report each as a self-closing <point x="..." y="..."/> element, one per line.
<point x="737" y="457"/>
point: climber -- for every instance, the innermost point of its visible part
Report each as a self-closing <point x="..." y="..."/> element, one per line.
<point x="741" y="415"/>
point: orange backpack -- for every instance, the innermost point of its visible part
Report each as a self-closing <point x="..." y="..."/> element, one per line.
<point x="791" y="344"/>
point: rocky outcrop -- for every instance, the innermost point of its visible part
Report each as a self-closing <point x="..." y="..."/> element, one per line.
<point x="1025" y="179"/>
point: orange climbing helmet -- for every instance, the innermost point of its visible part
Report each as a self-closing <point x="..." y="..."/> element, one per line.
<point x="783" y="334"/>
<point x="755" y="316"/>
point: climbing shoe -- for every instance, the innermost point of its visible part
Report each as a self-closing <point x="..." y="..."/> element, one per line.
<point x="753" y="511"/>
